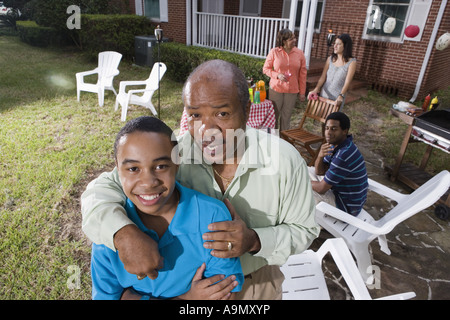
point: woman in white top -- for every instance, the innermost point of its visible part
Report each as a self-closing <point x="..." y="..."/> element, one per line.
<point x="338" y="72"/>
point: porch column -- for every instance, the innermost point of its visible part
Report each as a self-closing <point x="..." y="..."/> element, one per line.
<point x="309" y="35"/>
<point x="292" y="15"/>
<point x="188" y="22"/>
<point x="194" y="22"/>
<point x="303" y="20"/>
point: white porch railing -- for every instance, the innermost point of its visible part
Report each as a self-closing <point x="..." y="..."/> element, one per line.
<point x="253" y="36"/>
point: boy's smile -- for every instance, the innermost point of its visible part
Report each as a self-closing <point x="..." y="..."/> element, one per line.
<point x="148" y="199"/>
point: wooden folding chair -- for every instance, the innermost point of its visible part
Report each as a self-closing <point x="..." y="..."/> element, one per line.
<point x="302" y="139"/>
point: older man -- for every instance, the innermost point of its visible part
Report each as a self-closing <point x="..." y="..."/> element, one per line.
<point x="262" y="179"/>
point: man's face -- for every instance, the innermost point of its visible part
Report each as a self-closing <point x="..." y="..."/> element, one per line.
<point x="146" y="171"/>
<point x="333" y="132"/>
<point x="213" y="107"/>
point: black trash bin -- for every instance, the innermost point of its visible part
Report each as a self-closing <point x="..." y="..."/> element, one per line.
<point x="145" y="50"/>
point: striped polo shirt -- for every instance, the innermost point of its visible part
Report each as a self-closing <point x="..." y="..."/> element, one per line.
<point x="348" y="176"/>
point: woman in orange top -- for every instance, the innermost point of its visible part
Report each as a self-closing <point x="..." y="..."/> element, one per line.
<point x="286" y="66"/>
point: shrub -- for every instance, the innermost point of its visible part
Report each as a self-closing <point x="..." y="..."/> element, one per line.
<point x="35" y="35"/>
<point x="181" y="60"/>
<point x="112" y="32"/>
<point x="53" y="13"/>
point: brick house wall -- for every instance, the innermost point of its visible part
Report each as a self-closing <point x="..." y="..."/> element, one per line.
<point x="387" y="67"/>
<point x="438" y="73"/>
<point x="176" y="27"/>
<point x="231" y="7"/>
<point x="132" y="6"/>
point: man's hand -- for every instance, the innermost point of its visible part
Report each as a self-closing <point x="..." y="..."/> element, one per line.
<point x="326" y="149"/>
<point x="213" y="288"/>
<point x="138" y="252"/>
<point x="234" y="232"/>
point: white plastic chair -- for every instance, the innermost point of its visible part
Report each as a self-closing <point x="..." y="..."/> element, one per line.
<point x="151" y="85"/>
<point x="304" y="278"/>
<point x="359" y="231"/>
<point x="108" y="63"/>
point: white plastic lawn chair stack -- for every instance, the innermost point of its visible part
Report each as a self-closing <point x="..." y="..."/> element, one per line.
<point x="358" y="232"/>
<point x="304" y="278"/>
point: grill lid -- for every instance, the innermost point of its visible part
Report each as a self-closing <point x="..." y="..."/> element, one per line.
<point x="436" y="121"/>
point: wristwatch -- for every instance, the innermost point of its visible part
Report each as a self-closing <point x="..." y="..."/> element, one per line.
<point x="342" y="95"/>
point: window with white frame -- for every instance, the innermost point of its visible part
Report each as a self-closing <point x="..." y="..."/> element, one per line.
<point x="385" y="20"/>
<point x="319" y="13"/>
<point x="156" y="10"/>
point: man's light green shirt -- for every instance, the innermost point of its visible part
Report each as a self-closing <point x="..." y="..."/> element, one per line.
<point x="271" y="192"/>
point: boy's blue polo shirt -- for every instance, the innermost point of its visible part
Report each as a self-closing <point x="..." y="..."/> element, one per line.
<point x="181" y="246"/>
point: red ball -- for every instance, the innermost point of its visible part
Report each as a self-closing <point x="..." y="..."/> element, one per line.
<point x="412" y="31"/>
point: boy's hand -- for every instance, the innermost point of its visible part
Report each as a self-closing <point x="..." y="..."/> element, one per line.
<point x="138" y="252"/>
<point x="130" y="294"/>
<point x="214" y="288"/>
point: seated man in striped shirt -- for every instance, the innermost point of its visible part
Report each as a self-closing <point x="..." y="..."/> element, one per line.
<point x="339" y="175"/>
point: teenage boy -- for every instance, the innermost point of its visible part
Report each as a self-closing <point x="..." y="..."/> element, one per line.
<point x="174" y="216"/>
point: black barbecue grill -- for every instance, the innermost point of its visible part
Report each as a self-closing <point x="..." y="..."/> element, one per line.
<point x="436" y="121"/>
<point x="432" y="128"/>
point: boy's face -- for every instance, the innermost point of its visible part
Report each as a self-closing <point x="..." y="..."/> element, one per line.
<point x="147" y="172"/>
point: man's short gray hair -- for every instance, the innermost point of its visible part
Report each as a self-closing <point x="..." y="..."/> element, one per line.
<point x="214" y="70"/>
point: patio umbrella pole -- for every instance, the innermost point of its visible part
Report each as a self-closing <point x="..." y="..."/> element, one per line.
<point x="159" y="36"/>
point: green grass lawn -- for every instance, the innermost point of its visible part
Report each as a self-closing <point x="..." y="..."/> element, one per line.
<point x="49" y="143"/>
<point x="51" y="146"/>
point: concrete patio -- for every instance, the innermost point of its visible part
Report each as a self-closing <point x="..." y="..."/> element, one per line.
<point x="420" y="248"/>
